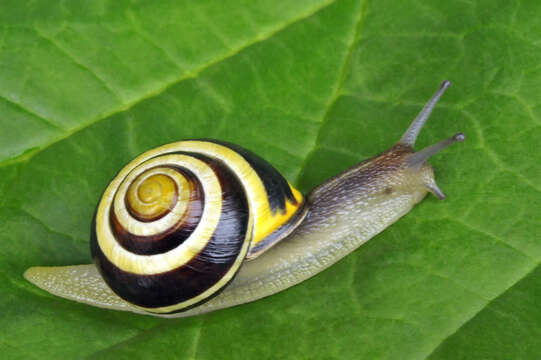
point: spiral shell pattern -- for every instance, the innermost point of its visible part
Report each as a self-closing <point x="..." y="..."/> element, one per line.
<point x="175" y="224"/>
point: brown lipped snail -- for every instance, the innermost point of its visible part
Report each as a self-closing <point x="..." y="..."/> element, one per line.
<point x="200" y="225"/>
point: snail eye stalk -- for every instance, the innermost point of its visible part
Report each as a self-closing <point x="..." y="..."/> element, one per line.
<point x="416" y="159"/>
<point x="410" y="136"/>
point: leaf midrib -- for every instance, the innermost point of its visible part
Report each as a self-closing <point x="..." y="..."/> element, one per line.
<point x="481" y="308"/>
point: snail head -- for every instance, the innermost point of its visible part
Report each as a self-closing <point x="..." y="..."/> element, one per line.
<point x="417" y="161"/>
<point x="413" y="172"/>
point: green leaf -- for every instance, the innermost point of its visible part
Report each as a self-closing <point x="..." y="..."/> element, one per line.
<point x="313" y="86"/>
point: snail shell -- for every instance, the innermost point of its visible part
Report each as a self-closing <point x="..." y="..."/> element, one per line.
<point x="175" y="224"/>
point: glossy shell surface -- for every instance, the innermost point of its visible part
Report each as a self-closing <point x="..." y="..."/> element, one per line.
<point x="175" y="224"/>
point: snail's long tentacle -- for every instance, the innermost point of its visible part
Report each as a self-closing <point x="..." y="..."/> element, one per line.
<point x="410" y="136"/>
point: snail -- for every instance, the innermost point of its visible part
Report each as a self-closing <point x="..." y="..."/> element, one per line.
<point x="200" y="225"/>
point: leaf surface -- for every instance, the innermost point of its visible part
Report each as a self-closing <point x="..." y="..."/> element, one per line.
<point x="313" y="87"/>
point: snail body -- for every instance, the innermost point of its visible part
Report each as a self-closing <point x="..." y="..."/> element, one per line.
<point x="276" y="239"/>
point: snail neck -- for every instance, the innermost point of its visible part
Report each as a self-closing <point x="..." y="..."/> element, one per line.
<point x="374" y="193"/>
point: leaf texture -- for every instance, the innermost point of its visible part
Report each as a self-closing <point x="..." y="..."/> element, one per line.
<point x="313" y="86"/>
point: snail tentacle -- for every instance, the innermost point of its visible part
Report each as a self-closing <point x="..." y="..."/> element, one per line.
<point x="410" y="136"/>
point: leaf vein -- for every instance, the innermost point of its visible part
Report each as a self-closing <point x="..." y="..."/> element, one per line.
<point x="481" y="308"/>
<point x="196" y="340"/>
<point x="493" y="155"/>
<point x="31" y="113"/>
<point x="494" y="237"/>
<point x="139" y="31"/>
<point x="191" y="74"/>
<point x="45" y="226"/>
<point x="77" y="62"/>
<point x="336" y="93"/>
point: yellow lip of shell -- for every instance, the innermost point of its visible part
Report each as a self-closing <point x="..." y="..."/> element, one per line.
<point x="270" y="222"/>
<point x="153" y="196"/>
